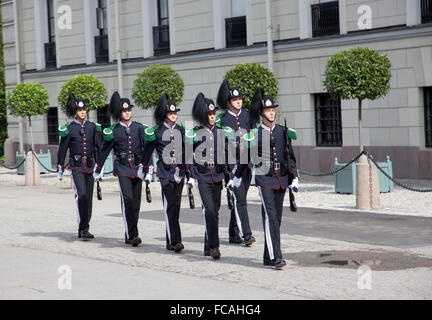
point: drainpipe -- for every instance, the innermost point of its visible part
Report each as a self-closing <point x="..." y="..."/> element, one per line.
<point x="18" y="73"/>
<point x="269" y="36"/>
<point x="119" y="61"/>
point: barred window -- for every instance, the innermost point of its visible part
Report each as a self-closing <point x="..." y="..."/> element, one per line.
<point x="325" y="19"/>
<point x="427" y="93"/>
<point x="52" y="122"/>
<point x="328" y="121"/>
<point x="426" y="11"/>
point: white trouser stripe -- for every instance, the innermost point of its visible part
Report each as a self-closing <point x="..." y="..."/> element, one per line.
<point x="166" y="218"/>
<point x="267" y="228"/>
<point x="203" y="208"/>
<point x="123" y="210"/>
<point x="237" y="215"/>
<point x="76" y="200"/>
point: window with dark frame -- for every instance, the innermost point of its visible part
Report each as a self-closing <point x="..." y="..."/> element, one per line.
<point x="52" y="122"/>
<point x="101" y="40"/>
<point x="325" y="19"/>
<point x="427" y="96"/>
<point x="235" y="32"/>
<point x="49" y="47"/>
<point x="426" y="11"/>
<point x="161" y="39"/>
<point x="328" y="121"/>
<point x="103" y="117"/>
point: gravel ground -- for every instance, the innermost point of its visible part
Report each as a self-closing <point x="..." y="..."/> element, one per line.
<point x="314" y="192"/>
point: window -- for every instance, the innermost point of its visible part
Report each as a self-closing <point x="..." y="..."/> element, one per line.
<point x="161" y="39"/>
<point x="52" y="118"/>
<point x="101" y="40"/>
<point x="426" y="11"/>
<point x="103" y="117"/>
<point x="50" y="48"/>
<point x="427" y="93"/>
<point x="325" y="19"/>
<point x="235" y="26"/>
<point x="328" y="121"/>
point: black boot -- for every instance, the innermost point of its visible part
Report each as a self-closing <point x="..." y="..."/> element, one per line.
<point x="85" y="234"/>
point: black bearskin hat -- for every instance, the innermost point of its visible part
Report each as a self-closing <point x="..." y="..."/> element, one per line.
<point x="118" y="104"/>
<point x="225" y="94"/>
<point x="73" y="104"/>
<point x="164" y="105"/>
<point x="260" y="102"/>
<point x="201" y="107"/>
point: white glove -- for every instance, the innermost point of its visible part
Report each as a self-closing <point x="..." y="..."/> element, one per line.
<point x="190" y="183"/>
<point x="60" y="173"/>
<point x="140" y="173"/>
<point x="294" y="184"/>
<point x="237" y="182"/>
<point x="230" y="184"/>
<point x="102" y="172"/>
<point x="148" y="178"/>
<point x="177" y="177"/>
<point x="97" y="176"/>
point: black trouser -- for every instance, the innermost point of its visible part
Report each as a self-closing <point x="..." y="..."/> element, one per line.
<point x="83" y="184"/>
<point x="130" y="193"/>
<point x="239" y="222"/>
<point x="211" y="199"/>
<point x="272" y="207"/>
<point x="171" y="198"/>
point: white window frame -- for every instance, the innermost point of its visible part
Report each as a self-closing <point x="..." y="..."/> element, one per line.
<point x="221" y="11"/>
<point x="305" y="17"/>
<point x="41" y="32"/>
<point x="413" y="11"/>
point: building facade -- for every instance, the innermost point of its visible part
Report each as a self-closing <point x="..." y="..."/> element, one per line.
<point x="49" y="41"/>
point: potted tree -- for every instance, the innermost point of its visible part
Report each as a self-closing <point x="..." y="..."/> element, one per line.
<point x="27" y="100"/>
<point x="360" y="73"/>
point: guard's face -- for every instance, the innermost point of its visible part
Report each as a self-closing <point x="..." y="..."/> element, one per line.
<point x="172" y="116"/>
<point x="126" y="114"/>
<point x="236" y="103"/>
<point x="270" y="114"/>
<point x="81" y="114"/>
<point x="211" y="117"/>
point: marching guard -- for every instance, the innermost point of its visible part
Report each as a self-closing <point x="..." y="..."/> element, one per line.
<point x="167" y="137"/>
<point x="82" y="138"/>
<point x="127" y="139"/>
<point x="274" y="161"/>
<point x="235" y="117"/>
<point x="209" y="167"/>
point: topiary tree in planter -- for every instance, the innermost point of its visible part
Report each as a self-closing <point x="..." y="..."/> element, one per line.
<point x="27" y="100"/>
<point x="359" y="73"/>
<point x="155" y="81"/>
<point x="249" y="76"/>
<point x="86" y="87"/>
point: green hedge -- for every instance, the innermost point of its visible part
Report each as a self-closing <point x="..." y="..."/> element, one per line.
<point x="155" y="81"/>
<point x="249" y="76"/>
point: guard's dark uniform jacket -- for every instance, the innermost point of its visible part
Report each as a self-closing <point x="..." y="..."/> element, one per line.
<point x="159" y="137"/>
<point x="239" y="225"/>
<point x="128" y="145"/>
<point x="272" y="180"/>
<point x="209" y="170"/>
<point x="169" y="144"/>
<point x="269" y="172"/>
<point x="82" y="139"/>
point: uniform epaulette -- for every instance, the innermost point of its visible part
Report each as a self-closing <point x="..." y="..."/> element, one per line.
<point x="98" y="127"/>
<point x="108" y="133"/>
<point x="218" y="118"/>
<point x="251" y="138"/>
<point x="63" y="130"/>
<point x="229" y="133"/>
<point x="181" y="126"/>
<point x="190" y="135"/>
<point x="149" y="133"/>
<point x="292" y="134"/>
